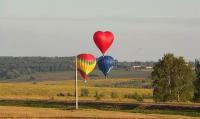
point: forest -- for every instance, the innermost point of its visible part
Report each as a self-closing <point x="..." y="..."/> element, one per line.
<point x="14" y="67"/>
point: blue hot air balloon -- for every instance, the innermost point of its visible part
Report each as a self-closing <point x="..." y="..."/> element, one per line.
<point x="105" y="64"/>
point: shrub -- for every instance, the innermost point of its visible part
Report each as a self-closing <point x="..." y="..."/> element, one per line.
<point x="114" y="95"/>
<point x="51" y="97"/>
<point x="102" y="95"/>
<point x="135" y="96"/>
<point x="139" y="98"/>
<point x="84" y="92"/>
<point x="99" y="95"/>
<point x="69" y="94"/>
<point x="147" y="96"/>
<point x="61" y="94"/>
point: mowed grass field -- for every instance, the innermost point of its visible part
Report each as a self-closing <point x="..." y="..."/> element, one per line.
<point x="29" y="112"/>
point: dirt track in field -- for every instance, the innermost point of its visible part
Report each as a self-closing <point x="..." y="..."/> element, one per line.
<point x="100" y="105"/>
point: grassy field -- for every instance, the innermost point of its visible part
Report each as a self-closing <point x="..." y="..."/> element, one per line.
<point x="55" y="91"/>
<point x="51" y="89"/>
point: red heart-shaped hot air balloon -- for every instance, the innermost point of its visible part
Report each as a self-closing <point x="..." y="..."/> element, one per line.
<point x="103" y="40"/>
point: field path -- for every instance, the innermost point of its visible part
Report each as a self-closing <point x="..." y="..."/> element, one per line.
<point x="30" y="112"/>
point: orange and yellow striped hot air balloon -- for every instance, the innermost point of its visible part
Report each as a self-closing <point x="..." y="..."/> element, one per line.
<point x="85" y="64"/>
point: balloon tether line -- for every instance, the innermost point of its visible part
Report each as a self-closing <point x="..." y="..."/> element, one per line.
<point x="76" y="83"/>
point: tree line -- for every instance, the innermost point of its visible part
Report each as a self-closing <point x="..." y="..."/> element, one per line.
<point x="14" y="67"/>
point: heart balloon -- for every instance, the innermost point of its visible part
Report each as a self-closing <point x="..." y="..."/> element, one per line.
<point x="85" y="64"/>
<point x="103" y="40"/>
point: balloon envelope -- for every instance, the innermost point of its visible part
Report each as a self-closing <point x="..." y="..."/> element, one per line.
<point x="105" y="64"/>
<point x="85" y="64"/>
<point x="103" y="40"/>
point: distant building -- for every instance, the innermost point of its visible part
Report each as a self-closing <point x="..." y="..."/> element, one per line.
<point x="136" y="67"/>
<point x="149" y="67"/>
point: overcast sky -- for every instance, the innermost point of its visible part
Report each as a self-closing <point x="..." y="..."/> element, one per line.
<point x="143" y="29"/>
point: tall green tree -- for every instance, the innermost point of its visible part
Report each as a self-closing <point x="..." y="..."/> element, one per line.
<point x="197" y="81"/>
<point x="172" y="79"/>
